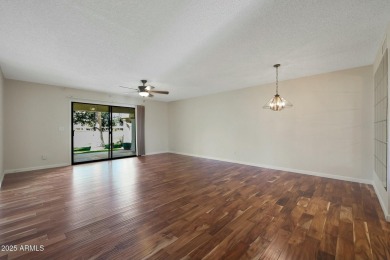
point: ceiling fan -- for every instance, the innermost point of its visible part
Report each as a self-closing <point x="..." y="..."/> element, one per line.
<point x="147" y="91"/>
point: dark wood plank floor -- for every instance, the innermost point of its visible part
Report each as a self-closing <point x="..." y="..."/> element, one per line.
<point x="171" y="206"/>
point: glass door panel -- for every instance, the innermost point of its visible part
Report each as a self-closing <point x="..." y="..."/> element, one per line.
<point x="91" y="128"/>
<point x="123" y="132"/>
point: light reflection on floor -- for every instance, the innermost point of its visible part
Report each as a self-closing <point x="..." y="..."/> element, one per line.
<point x="116" y="182"/>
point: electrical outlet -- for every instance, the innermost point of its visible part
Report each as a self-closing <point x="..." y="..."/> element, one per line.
<point x="44" y="157"/>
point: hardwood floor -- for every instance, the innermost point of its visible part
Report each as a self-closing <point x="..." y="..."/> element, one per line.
<point x="171" y="206"/>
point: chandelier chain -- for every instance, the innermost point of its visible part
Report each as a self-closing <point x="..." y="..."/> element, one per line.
<point x="277" y="81"/>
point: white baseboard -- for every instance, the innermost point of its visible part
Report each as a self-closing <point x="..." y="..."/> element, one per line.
<point x="152" y="153"/>
<point x="319" y="174"/>
<point x="9" y="171"/>
<point x="381" y="202"/>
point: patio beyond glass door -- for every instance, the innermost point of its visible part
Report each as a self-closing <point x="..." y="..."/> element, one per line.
<point x="102" y="132"/>
<point x="123" y="131"/>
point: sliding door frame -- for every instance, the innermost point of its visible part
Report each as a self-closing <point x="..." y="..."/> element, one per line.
<point x="110" y="133"/>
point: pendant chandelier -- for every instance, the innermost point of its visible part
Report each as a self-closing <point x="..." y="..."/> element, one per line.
<point x="277" y="103"/>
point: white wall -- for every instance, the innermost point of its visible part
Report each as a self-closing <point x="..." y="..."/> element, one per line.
<point x="383" y="194"/>
<point x="35" y="113"/>
<point x="328" y="132"/>
<point x="1" y="126"/>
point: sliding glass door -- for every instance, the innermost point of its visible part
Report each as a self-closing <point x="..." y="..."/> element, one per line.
<point x="102" y="132"/>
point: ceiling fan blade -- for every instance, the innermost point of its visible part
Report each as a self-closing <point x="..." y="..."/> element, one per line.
<point x="131" y="92"/>
<point x="150" y="95"/>
<point x="159" y="92"/>
<point x="128" y="88"/>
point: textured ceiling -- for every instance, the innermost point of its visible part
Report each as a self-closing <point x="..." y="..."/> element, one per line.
<point x="190" y="48"/>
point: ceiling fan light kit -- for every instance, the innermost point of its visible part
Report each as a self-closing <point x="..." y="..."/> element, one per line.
<point x="277" y="103"/>
<point x="143" y="94"/>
